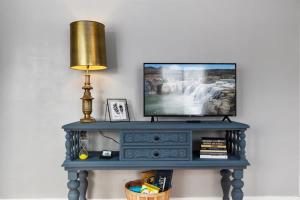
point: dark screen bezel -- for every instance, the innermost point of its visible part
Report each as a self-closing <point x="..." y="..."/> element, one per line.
<point x="230" y="115"/>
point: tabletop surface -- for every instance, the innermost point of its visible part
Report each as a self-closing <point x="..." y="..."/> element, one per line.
<point x="147" y="125"/>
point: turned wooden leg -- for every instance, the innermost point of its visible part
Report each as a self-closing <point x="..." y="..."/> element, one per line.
<point x="73" y="185"/>
<point x="83" y="184"/>
<point x="237" y="184"/>
<point x="225" y="183"/>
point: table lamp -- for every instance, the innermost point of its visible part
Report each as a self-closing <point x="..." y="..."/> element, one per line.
<point x="87" y="52"/>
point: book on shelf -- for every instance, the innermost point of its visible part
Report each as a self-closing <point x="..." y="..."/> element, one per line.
<point x="213" y="151"/>
<point x="213" y="148"/>
<point x="213" y="143"/>
<point x="205" y="156"/>
<point x="210" y="139"/>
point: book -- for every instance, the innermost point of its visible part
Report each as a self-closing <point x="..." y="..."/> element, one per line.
<point x="213" y="143"/>
<point x="208" y="151"/>
<point x="159" y="178"/>
<point x="213" y="153"/>
<point x="164" y="179"/>
<point x="214" y="156"/>
<point x="213" y="138"/>
<point x="212" y="147"/>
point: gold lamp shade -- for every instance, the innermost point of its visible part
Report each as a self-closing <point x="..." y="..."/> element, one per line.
<point x="87" y="45"/>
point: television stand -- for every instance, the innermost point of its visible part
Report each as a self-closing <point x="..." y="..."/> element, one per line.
<point x="226" y="118"/>
<point x="152" y="119"/>
<point x="159" y="145"/>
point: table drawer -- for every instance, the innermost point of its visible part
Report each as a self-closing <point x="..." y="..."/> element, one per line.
<point x="159" y="153"/>
<point x="156" y="138"/>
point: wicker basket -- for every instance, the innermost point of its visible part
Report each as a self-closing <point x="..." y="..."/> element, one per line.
<point x="138" y="196"/>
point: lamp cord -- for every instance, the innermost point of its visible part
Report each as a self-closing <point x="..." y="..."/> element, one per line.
<point x="109" y="138"/>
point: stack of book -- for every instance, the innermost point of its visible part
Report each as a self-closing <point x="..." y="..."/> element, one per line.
<point x="213" y="148"/>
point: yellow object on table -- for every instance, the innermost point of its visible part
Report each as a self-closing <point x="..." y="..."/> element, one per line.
<point x="83" y="156"/>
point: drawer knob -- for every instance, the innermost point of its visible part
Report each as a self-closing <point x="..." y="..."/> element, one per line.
<point x="156" y="138"/>
<point x="155" y="154"/>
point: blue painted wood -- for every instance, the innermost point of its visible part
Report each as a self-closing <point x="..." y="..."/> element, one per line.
<point x="159" y="145"/>
<point x="225" y="183"/>
<point x="145" y="125"/>
<point x="147" y="151"/>
<point x="73" y="185"/>
<point x="68" y="145"/>
<point x="237" y="184"/>
<point x="94" y="163"/>
<point x="242" y="145"/>
<point x="155" y="138"/>
<point x="83" y="174"/>
<point x="155" y="153"/>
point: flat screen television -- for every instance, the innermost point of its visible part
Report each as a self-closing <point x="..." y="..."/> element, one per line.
<point x="189" y="89"/>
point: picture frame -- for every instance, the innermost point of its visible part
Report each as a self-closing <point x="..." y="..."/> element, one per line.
<point x="118" y="110"/>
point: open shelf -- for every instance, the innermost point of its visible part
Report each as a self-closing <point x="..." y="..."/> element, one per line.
<point x="94" y="162"/>
<point x="95" y="156"/>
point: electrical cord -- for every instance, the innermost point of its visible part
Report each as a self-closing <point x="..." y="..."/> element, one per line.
<point x="109" y="138"/>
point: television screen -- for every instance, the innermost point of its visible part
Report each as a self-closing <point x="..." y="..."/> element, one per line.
<point x="190" y="89"/>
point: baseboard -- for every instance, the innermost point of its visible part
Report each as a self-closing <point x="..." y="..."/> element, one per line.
<point x="218" y="198"/>
<point x="186" y="198"/>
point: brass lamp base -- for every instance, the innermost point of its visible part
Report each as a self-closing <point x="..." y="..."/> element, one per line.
<point x="88" y="120"/>
<point x="87" y="100"/>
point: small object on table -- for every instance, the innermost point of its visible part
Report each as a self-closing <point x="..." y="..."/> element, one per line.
<point x="107" y="154"/>
<point x="117" y="110"/>
<point x="83" y="153"/>
<point x="83" y="156"/>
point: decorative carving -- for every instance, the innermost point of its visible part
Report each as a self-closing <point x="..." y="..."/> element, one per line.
<point x="242" y="145"/>
<point x="235" y="143"/>
<point x="77" y="148"/>
<point x="225" y="183"/>
<point x="154" y="137"/>
<point x="237" y="184"/>
<point x="72" y="146"/>
<point x="73" y="185"/>
<point x="83" y="184"/>
<point x="157" y="153"/>
<point x="230" y="145"/>
<point x="68" y="145"/>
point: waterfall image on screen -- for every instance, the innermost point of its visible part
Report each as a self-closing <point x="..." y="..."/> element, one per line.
<point x="189" y="89"/>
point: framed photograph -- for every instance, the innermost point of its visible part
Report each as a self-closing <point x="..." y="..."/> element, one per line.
<point x="118" y="110"/>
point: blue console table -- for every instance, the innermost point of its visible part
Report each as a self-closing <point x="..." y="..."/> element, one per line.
<point x="157" y="145"/>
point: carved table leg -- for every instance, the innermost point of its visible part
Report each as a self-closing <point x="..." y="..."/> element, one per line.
<point x="73" y="185"/>
<point x="237" y="184"/>
<point x="83" y="184"/>
<point x="225" y="183"/>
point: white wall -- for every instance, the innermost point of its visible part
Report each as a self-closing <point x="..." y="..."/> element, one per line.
<point x="39" y="93"/>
